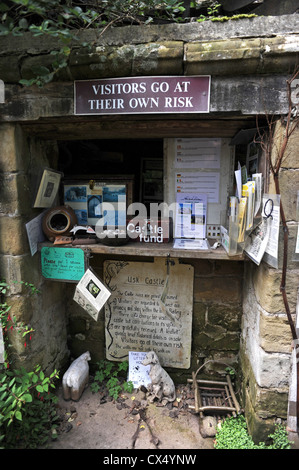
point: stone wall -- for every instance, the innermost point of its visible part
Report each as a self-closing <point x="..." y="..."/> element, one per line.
<point x="21" y="158"/>
<point x="252" y="49"/>
<point x="266" y="336"/>
<point x="216" y="325"/>
<point x="256" y="48"/>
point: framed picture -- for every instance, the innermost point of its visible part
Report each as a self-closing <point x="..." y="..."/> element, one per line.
<point x="99" y="200"/>
<point x="91" y="294"/>
<point x="48" y="188"/>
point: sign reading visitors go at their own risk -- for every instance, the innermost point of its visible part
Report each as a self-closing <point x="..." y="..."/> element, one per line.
<point x="137" y="95"/>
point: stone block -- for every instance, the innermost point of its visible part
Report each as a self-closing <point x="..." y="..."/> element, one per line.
<point x="290" y="160"/>
<point x="275" y="333"/>
<point x="199" y="316"/>
<point x="15" y="269"/>
<point x="31" y="64"/>
<point x="226" y="316"/>
<point x="266" y="401"/>
<point x="13" y="236"/>
<point x="292" y="265"/>
<point x="158" y="58"/>
<point x="267" y="289"/>
<point x="55" y="293"/>
<point x="105" y="61"/>
<point x="224" y="57"/>
<point x="13" y="149"/>
<point x="262" y="406"/>
<point x="227" y="268"/>
<point x="241" y="56"/>
<point x="201" y="266"/>
<point x="289" y="184"/>
<point x="22" y="307"/>
<point x="9" y="66"/>
<point x="226" y="290"/>
<point x="7" y="148"/>
<point x="15" y="194"/>
<point x="272" y="370"/>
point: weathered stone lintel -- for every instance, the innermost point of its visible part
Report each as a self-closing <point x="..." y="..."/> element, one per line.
<point x="228" y="94"/>
<point x="216" y="57"/>
<point x="264" y="26"/>
<point x="242" y="56"/>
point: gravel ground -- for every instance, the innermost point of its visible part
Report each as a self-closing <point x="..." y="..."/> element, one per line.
<point x="98" y="422"/>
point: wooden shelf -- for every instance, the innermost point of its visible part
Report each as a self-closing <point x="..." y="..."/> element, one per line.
<point x="153" y="250"/>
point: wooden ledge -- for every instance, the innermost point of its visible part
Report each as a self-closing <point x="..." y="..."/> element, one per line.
<point x="153" y="250"/>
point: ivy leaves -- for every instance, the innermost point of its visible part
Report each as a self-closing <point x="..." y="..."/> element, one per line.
<point x="18" y="388"/>
<point x="108" y="373"/>
<point x="62" y="20"/>
<point x="59" y="19"/>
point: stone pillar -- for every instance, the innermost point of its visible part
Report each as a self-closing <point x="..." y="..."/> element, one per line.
<point x="44" y="312"/>
<point x="266" y="343"/>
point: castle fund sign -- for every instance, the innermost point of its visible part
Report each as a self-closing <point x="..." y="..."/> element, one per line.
<point x="150" y="308"/>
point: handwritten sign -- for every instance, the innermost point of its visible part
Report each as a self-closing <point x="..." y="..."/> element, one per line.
<point x="67" y="264"/>
<point x="143" y="95"/>
<point x="150" y="308"/>
<point x="138" y="373"/>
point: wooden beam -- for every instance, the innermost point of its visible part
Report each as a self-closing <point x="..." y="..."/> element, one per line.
<point x="86" y="128"/>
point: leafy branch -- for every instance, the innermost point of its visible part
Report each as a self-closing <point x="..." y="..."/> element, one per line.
<point x="108" y="374"/>
<point x="22" y="418"/>
<point x="64" y="20"/>
<point x="8" y="322"/>
<point x="290" y="123"/>
<point x="19" y="390"/>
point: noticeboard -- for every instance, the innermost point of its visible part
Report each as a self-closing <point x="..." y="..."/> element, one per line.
<point x="63" y="264"/>
<point x="150" y="308"/>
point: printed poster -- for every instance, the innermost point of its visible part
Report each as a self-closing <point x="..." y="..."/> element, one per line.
<point x="191" y="215"/>
<point x="104" y="205"/>
<point x="198" y="153"/>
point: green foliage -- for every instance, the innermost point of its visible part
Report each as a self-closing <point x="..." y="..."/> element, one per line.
<point x="222" y="19"/>
<point x="8" y="321"/>
<point x="279" y="438"/>
<point x="63" y="20"/>
<point x="233" y="434"/>
<point x="213" y="14"/>
<point x="27" y="415"/>
<point x="108" y="373"/>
